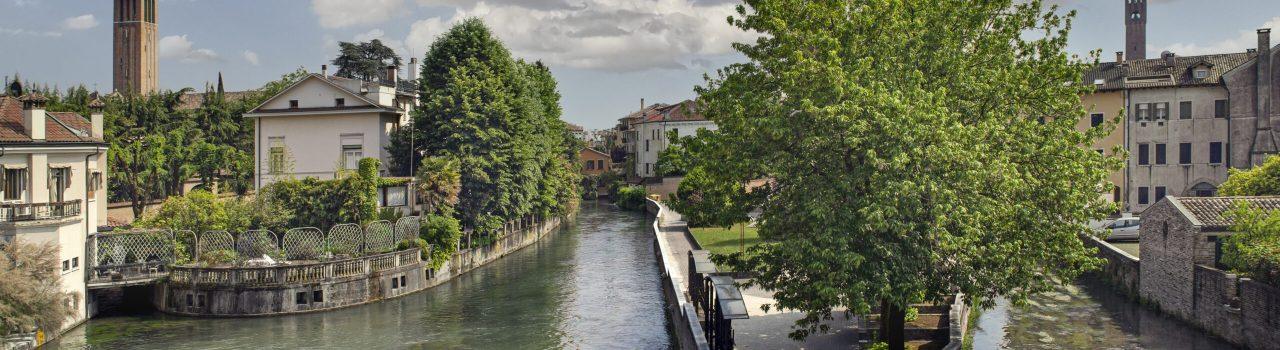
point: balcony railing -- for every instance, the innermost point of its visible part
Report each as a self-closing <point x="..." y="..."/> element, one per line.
<point x="39" y="211"/>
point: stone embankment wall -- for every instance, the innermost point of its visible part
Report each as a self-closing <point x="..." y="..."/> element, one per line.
<point x="282" y="290"/>
<point x="1121" y="270"/>
<point x="681" y="312"/>
<point x="1239" y="310"/>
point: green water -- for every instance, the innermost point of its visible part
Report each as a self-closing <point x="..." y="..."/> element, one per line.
<point x="594" y="285"/>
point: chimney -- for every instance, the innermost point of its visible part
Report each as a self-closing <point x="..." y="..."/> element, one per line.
<point x="95" y="118"/>
<point x="1170" y="58"/>
<point x="1264" y="40"/>
<point x="391" y="75"/>
<point x="324" y="70"/>
<point x="1119" y="56"/>
<point x="642" y="103"/>
<point x="1264" y="140"/>
<point x="33" y="115"/>
<point x="413" y="68"/>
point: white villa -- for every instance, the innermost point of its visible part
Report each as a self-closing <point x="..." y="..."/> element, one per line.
<point x="52" y="188"/>
<point x="324" y="123"/>
<point x="653" y="127"/>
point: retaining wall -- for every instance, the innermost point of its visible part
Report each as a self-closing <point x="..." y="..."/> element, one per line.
<point x="683" y="316"/>
<point x="1122" y="270"/>
<point x="236" y="292"/>
<point x="1239" y="310"/>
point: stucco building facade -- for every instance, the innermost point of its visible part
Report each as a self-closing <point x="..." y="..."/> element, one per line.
<point x="683" y="119"/>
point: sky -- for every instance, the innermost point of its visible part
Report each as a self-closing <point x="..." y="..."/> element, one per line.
<point x="606" y="54"/>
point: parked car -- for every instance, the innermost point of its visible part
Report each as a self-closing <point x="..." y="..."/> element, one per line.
<point x="1123" y="229"/>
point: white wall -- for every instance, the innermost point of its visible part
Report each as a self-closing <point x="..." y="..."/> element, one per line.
<point x="655" y="134"/>
<point x="314" y="142"/>
<point x="313" y="93"/>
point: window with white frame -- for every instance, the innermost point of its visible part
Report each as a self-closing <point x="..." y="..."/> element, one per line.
<point x="352" y="150"/>
<point x="276" y="155"/>
<point x="59" y="182"/>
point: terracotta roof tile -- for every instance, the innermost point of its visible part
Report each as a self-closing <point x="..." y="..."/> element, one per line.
<point x="59" y="126"/>
<point x="683" y="111"/>
<point x="1155" y="72"/>
<point x="1210" y="210"/>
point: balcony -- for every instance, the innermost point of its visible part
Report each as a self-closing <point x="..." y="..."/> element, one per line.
<point x="26" y="212"/>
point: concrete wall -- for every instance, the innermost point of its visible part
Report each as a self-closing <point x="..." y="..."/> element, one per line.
<point x="681" y="312"/>
<point x="313" y="143"/>
<point x="1200" y="130"/>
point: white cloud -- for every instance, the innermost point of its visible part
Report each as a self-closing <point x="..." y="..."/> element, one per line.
<point x="179" y="48"/>
<point x="252" y="57"/>
<point x="612" y="35"/>
<point x="27" y="32"/>
<point x="1245" y="39"/>
<point x="80" y="22"/>
<point x="346" y="13"/>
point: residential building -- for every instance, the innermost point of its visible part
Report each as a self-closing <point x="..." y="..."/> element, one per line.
<point x="51" y="184"/>
<point x="135" y="51"/>
<point x="1103" y="106"/>
<point x="595" y="162"/>
<point x="323" y="124"/>
<point x="577" y="131"/>
<point x="683" y="119"/>
<point x="1178" y="126"/>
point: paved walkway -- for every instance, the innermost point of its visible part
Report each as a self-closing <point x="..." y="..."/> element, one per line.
<point x="762" y="330"/>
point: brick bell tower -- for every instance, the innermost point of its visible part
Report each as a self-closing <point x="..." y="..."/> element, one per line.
<point x="134" y="60"/>
<point x="1135" y="33"/>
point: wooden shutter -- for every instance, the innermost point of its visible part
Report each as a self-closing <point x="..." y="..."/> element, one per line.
<point x="66" y="178"/>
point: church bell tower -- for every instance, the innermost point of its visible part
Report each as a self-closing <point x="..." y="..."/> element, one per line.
<point x="134" y="60"/>
<point x="1135" y="33"/>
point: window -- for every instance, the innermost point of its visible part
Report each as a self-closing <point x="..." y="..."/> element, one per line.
<point x="1215" y="153"/>
<point x="646" y="145"/>
<point x="1144" y="195"/>
<point x="395" y="283"/>
<point x="1201" y="73"/>
<point x="339" y="102"/>
<point x="200" y="300"/>
<point x="1160" y="154"/>
<point x="1115" y="194"/>
<point x="402" y="281"/>
<point x="276" y="155"/>
<point x="600" y="164"/>
<point x="15" y="183"/>
<point x="1161" y="110"/>
<point x="1144" y="154"/>
<point x="75" y="262"/>
<point x="1095" y="120"/>
<point x="1184" y="153"/>
<point x="352" y="150"/>
<point x="1184" y="110"/>
<point x="95" y="183"/>
<point x="300" y="298"/>
<point x="66" y="265"/>
<point x="395" y="196"/>
<point x="1142" y="111"/>
<point x="1160" y="190"/>
<point x="646" y="168"/>
<point x="1220" y="108"/>
<point x="591" y="165"/>
<point x="317" y="296"/>
<point x="59" y="182"/>
<point x="293" y="104"/>
<point x="190" y="302"/>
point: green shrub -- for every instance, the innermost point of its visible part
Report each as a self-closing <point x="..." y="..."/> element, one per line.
<point x="419" y="243"/>
<point x="322" y="204"/>
<point x="1254" y="250"/>
<point x="390" y="214"/>
<point x="218" y="257"/>
<point x="631" y="198"/>
<point x="443" y="233"/>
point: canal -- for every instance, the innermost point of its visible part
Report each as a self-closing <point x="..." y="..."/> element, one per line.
<point x="1085" y="315"/>
<point x="594" y="285"/>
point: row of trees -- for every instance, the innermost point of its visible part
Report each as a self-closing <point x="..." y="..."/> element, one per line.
<point x="904" y="155"/>
<point x="498" y="119"/>
<point x="157" y="143"/>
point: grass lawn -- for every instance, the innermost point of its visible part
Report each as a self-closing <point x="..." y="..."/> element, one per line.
<point x="721" y="241"/>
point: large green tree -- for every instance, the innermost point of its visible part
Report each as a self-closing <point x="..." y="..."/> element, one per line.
<point x="499" y="118"/>
<point x="366" y="61"/>
<point x="904" y="154"/>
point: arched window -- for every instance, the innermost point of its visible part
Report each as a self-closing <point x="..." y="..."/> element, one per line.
<point x="1203" y="189"/>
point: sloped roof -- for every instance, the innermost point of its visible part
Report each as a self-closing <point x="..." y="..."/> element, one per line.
<point x="332" y="81"/>
<point x="638" y="116"/>
<point x="59" y="126"/>
<point x="1110" y="74"/>
<point x="1210" y="211"/>
<point x="680" y="112"/>
<point x="1156" y="72"/>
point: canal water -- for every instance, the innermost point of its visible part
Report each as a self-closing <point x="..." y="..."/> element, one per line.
<point x="594" y="285"/>
<point x="1085" y="315"/>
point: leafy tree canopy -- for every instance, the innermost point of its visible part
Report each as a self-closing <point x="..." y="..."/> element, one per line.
<point x="366" y="61"/>
<point x="904" y="154"/>
<point x="1259" y="181"/>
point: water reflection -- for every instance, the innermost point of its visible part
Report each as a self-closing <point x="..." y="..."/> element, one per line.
<point x="1085" y="315"/>
<point x="594" y="285"/>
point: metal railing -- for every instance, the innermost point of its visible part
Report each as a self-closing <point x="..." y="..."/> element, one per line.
<point x="20" y="212"/>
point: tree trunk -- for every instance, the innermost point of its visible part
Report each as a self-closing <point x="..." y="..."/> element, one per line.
<point x="892" y="325"/>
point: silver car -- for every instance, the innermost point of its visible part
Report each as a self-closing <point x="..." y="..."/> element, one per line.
<point x="1123" y="229"/>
